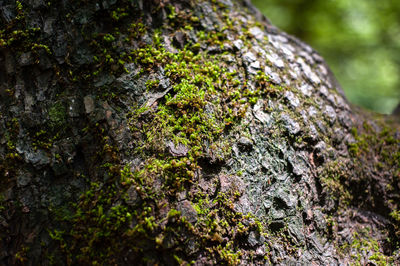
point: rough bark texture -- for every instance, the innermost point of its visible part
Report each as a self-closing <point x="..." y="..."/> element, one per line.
<point x="170" y="132"/>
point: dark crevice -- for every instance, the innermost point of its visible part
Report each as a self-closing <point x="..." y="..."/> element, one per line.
<point x="210" y="168"/>
<point x="276" y="226"/>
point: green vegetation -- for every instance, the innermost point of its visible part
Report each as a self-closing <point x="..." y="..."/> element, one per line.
<point x="134" y="208"/>
<point x="381" y="149"/>
<point x="333" y="179"/>
<point x="363" y="243"/>
<point x="57" y="115"/>
<point x="359" y="40"/>
<point x="156" y="209"/>
<point x="20" y="37"/>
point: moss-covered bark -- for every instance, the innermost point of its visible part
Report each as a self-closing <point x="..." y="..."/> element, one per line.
<point x="183" y="132"/>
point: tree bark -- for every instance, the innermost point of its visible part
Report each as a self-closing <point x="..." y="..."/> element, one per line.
<point x="171" y="132"/>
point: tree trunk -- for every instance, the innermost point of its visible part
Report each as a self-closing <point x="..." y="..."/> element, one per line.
<point x="169" y="132"/>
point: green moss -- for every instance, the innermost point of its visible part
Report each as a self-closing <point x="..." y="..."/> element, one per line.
<point x="362" y="243"/>
<point x="395" y="214"/>
<point x="229" y="255"/>
<point x="137" y="30"/>
<point x="205" y="100"/>
<point x="19" y="36"/>
<point x="150" y="84"/>
<point x="21" y="255"/>
<point x="44" y="140"/>
<point x="109" y="38"/>
<point x="333" y="179"/>
<point x="119" y="14"/>
<point x="58" y="114"/>
<point x="172" y="12"/>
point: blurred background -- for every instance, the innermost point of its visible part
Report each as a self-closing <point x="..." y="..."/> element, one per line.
<point x="360" y="40"/>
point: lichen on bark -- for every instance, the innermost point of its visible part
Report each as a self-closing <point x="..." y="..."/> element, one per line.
<point x="183" y="132"/>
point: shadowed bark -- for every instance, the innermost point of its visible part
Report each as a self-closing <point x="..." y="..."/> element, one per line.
<point x="171" y="132"/>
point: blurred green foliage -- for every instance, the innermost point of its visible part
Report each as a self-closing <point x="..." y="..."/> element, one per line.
<point x="360" y="40"/>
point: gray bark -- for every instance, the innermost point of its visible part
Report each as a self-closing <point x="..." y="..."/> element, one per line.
<point x="173" y="132"/>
